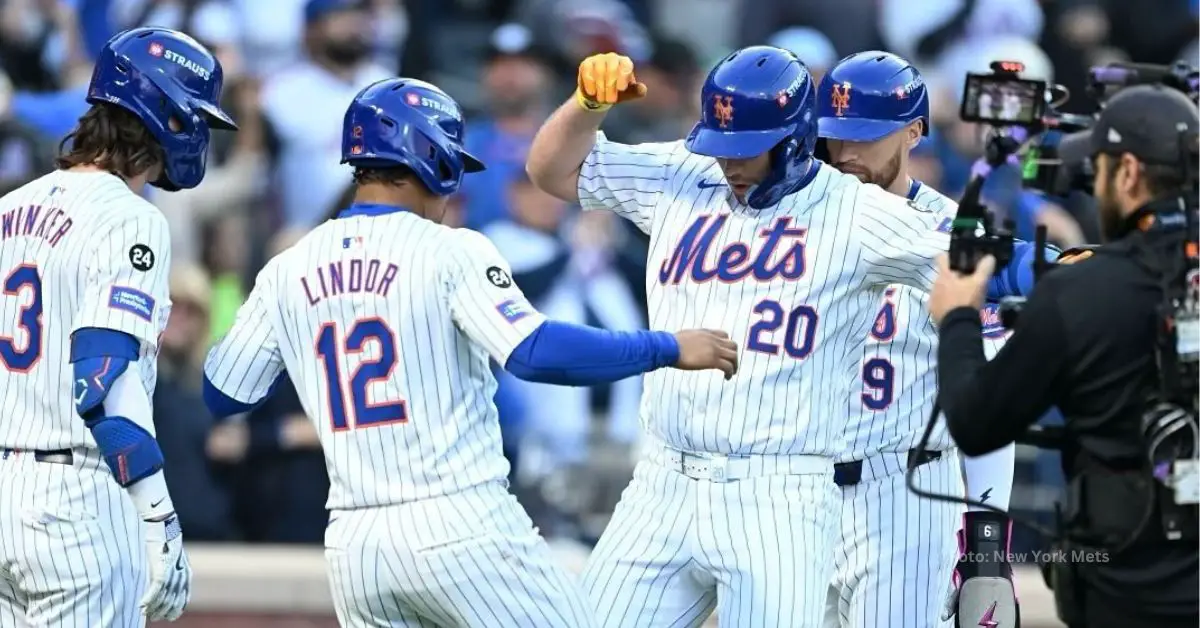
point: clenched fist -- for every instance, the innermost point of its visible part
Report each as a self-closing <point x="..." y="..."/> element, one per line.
<point x="703" y="349"/>
<point x="605" y="80"/>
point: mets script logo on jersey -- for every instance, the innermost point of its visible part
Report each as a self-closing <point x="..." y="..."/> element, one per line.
<point x="737" y="260"/>
<point x="840" y="98"/>
<point x="723" y="109"/>
<point x="989" y="316"/>
<point x="157" y="50"/>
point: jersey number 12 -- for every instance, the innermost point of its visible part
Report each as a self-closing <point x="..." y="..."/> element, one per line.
<point x="360" y="411"/>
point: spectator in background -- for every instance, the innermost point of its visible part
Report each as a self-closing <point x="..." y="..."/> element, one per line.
<point x="28" y="33"/>
<point x="53" y="113"/>
<point x="849" y="24"/>
<point x="516" y="82"/>
<point x="576" y="29"/>
<point x="24" y="154"/>
<point x="304" y="106"/>
<point x="213" y="22"/>
<point x="225" y="258"/>
<point x="672" y="76"/>
<point x="923" y="32"/>
<point x="180" y="418"/>
<point x="273" y="33"/>
<point x="811" y="46"/>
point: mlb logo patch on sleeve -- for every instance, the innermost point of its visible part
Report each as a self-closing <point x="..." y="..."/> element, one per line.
<point x="513" y="310"/>
<point x="944" y="226"/>
<point x="133" y="301"/>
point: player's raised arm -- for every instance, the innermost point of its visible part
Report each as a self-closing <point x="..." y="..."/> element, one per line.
<point x="489" y="308"/>
<point x="242" y="370"/>
<point x="571" y="159"/>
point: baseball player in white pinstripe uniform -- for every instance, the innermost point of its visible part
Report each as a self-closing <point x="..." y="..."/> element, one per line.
<point x="385" y="321"/>
<point x="87" y="527"/>
<point x="734" y="504"/>
<point x="896" y="552"/>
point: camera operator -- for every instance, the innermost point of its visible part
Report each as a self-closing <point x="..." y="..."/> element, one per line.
<point x="1086" y="343"/>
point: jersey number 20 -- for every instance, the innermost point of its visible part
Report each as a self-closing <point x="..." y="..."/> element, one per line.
<point x="21" y="351"/>
<point x="360" y="412"/>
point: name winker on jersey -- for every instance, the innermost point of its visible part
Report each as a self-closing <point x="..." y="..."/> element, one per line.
<point x="37" y="221"/>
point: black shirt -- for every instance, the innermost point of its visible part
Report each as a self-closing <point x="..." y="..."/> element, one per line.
<point x="1084" y="343"/>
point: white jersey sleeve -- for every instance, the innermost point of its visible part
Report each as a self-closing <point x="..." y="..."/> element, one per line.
<point x="899" y="240"/>
<point x="628" y="179"/>
<point x="128" y="277"/>
<point x="247" y="361"/>
<point x="484" y="301"/>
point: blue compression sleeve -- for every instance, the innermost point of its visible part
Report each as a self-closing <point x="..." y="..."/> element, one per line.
<point x="99" y="360"/>
<point x="1016" y="279"/>
<point x="577" y="355"/>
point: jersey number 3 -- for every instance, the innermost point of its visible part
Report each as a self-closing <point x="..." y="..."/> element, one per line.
<point x="361" y="412"/>
<point x="21" y="351"/>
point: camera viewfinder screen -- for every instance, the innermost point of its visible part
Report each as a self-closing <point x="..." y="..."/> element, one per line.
<point x="1002" y="100"/>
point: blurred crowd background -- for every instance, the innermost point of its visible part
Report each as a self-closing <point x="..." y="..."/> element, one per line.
<point x="291" y="68"/>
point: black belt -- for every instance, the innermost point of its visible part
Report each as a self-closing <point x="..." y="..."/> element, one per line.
<point x="850" y="473"/>
<point x="50" y="456"/>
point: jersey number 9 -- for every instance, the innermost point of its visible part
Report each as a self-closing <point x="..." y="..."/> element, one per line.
<point x="21" y="351"/>
<point x="361" y="412"/>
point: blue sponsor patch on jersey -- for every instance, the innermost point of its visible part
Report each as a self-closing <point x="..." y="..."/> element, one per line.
<point x="133" y="301"/>
<point x="512" y="310"/>
<point x="989" y="316"/>
<point x="944" y="225"/>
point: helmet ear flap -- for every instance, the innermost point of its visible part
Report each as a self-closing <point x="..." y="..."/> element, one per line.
<point x="785" y="151"/>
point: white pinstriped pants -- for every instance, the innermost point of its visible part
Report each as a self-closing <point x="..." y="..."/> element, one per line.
<point x="896" y="551"/>
<point x="71" y="550"/>
<point x="757" y="549"/>
<point x="471" y="559"/>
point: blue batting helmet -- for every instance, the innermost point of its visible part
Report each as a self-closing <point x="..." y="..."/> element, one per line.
<point x="870" y="95"/>
<point x="759" y="99"/>
<point x="160" y="75"/>
<point x="411" y="123"/>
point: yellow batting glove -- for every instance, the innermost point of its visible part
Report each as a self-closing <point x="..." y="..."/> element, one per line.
<point x="605" y="80"/>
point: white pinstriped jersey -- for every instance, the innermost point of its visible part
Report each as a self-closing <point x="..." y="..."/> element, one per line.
<point x="77" y="249"/>
<point x="385" y="325"/>
<point x="895" y="383"/>
<point x="794" y="284"/>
